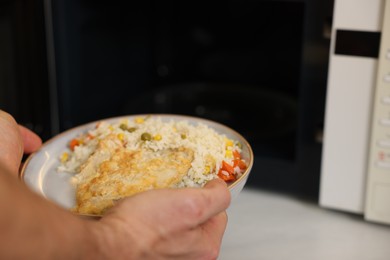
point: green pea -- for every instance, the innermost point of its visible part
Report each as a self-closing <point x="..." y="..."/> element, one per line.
<point x="131" y="129"/>
<point x="146" y="137"/>
<point x="123" y="127"/>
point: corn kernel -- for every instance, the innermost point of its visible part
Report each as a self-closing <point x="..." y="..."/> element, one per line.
<point x="206" y="170"/>
<point x="229" y="142"/>
<point x="157" y="137"/>
<point x="228" y="154"/>
<point x="64" y="157"/>
<point x="139" y="120"/>
<point x="120" y="136"/>
<point x="111" y="128"/>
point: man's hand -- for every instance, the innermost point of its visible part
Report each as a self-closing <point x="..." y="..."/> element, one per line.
<point x="168" y="224"/>
<point x="158" y="224"/>
<point x="15" y="140"/>
<point x="31" y="142"/>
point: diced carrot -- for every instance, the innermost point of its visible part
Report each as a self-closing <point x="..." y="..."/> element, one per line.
<point x="240" y="163"/>
<point x="90" y="136"/>
<point x="227" y="167"/>
<point x="226" y="177"/>
<point x="236" y="154"/>
<point x="235" y="163"/>
<point x="73" y="143"/>
<point x="226" y="172"/>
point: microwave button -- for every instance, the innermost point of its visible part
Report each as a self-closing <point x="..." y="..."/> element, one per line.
<point x="385" y="165"/>
<point x="384" y="143"/>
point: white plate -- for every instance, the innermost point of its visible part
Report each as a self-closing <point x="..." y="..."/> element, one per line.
<point x="40" y="174"/>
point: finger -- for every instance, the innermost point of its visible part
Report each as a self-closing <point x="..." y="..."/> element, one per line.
<point x="11" y="148"/>
<point x="215" y="228"/>
<point x="189" y="207"/>
<point x="31" y="141"/>
<point x="211" y="200"/>
<point x="206" y="239"/>
<point x="203" y="242"/>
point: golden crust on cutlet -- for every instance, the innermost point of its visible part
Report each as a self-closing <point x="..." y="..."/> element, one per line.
<point x="113" y="172"/>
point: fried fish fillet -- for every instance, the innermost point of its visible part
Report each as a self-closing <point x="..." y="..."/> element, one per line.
<point x="114" y="172"/>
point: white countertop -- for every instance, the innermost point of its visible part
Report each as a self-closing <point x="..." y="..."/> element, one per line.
<point x="264" y="225"/>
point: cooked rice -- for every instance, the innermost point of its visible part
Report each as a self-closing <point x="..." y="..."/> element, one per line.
<point x="210" y="148"/>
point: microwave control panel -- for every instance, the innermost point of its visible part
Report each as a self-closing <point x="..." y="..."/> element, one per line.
<point x="377" y="204"/>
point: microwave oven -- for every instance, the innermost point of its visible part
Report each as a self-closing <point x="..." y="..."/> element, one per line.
<point x="259" y="67"/>
<point x="355" y="172"/>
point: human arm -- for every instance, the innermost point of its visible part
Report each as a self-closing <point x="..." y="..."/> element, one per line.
<point x="162" y="224"/>
<point x="30" y="226"/>
<point x="15" y="140"/>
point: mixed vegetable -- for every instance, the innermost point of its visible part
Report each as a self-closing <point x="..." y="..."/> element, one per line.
<point x="229" y="171"/>
<point x="231" y="168"/>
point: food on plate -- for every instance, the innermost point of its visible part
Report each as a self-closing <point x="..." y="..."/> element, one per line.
<point x="117" y="160"/>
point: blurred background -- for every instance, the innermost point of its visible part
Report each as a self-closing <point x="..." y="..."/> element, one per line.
<point x="259" y="67"/>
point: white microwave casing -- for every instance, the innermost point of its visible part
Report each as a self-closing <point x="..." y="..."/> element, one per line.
<point x="356" y="89"/>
